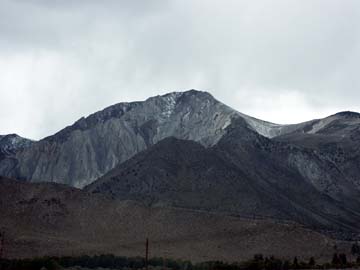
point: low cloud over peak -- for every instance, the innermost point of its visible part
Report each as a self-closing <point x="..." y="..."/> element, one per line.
<point x="282" y="61"/>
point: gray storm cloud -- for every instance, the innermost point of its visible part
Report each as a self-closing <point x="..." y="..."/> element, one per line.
<point x="282" y="61"/>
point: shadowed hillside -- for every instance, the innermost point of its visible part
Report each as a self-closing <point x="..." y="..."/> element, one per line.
<point x="51" y="219"/>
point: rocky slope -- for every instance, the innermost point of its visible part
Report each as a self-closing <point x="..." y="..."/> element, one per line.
<point x="222" y="179"/>
<point x="80" y="153"/>
<point x="335" y="138"/>
<point x="51" y="219"/>
<point x="84" y="151"/>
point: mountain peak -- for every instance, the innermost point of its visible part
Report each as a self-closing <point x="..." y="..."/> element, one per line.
<point x="175" y="95"/>
<point x="13" y="137"/>
<point x="348" y="114"/>
<point x="167" y="102"/>
<point x="10" y="143"/>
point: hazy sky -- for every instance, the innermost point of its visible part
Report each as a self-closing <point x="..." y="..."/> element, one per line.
<point x="283" y="61"/>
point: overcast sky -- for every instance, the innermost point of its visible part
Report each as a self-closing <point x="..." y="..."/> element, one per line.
<point x="282" y="61"/>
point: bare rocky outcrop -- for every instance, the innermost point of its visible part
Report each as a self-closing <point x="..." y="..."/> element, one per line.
<point x="86" y="150"/>
<point x="79" y="154"/>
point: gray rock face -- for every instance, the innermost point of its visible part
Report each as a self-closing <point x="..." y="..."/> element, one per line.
<point x="9" y="145"/>
<point x="336" y="139"/>
<point x="79" y="154"/>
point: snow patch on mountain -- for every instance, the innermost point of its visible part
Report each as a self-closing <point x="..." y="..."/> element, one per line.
<point x="170" y="103"/>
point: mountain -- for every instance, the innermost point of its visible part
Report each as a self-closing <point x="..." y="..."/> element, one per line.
<point x="84" y="151"/>
<point x="198" y="153"/>
<point x="222" y="178"/>
<point x="79" y="154"/>
<point x="335" y="138"/>
<point x="57" y="220"/>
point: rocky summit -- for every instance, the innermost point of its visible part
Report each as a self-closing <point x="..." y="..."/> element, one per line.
<point x="79" y="154"/>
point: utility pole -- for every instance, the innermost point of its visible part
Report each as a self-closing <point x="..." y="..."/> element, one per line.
<point x="147" y="253"/>
<point x="2" y="240"/>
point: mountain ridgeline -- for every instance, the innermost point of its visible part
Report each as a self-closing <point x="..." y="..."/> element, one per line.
<point x="79" y="154"/>
<point x="188" y="150"/>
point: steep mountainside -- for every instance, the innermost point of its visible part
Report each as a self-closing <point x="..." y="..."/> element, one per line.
<point x="51" y="219"/>
<point x="335" y="138"/>
<point x="79" y="154"/>
<point x="244" y="174"/>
